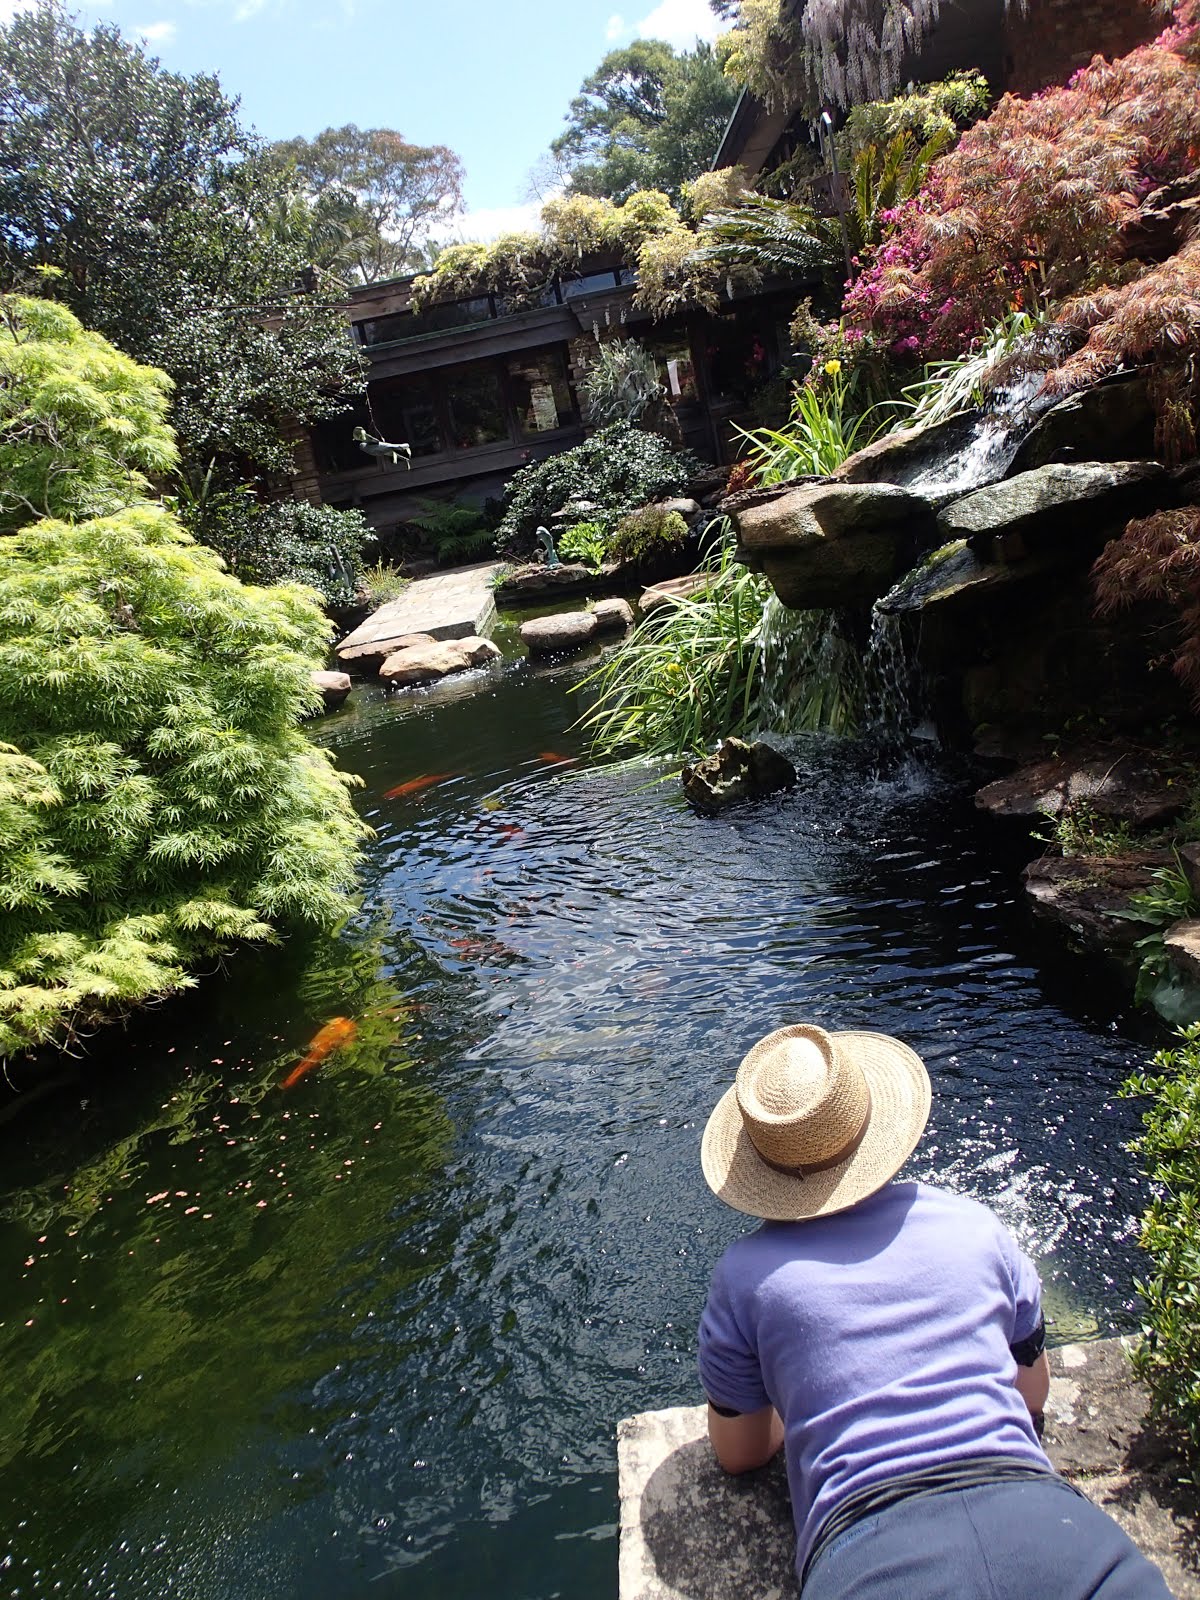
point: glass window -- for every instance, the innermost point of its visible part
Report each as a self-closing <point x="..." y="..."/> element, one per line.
<point x="540" y="391"/>
<point x="675" y="369"/>
<point x="740" y="356"/>
<point x="587" y="283"/>
<point x="476" y="407"/>
<point x="385" y="330"/>
<point x="411" y="325"/>
<point x="405" y="411"/>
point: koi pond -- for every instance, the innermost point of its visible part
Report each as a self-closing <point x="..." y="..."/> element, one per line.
<point x="370" y="1334"/>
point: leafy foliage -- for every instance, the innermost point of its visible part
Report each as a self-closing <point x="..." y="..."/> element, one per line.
<point x="922" y="112"/>
<point x="291" y="541"/>
<point x="948" y="388"/>
<point x="80" y="424"/>
<point x="823" y="428"/>
<point x="1168" y="1357"/>
<point x="641" y="535"/>
<point x="176" y="235"/>
<point x="385" y="193"/>
<point x="1035" y="204"/>
<point x="382" y="583"/>
<point x="157" y="801"/>
<point x="619" y="469"/>
<point x="647" y="118"/>
<point x="1169" y="899"/>
<point x="1157" y="559"/>
<point x="623" y="385"/>
<point x="835" y="52"/>
<point x="584" y="541"/>
<point x="689" y="673"/>
<point x="457" y="532"/>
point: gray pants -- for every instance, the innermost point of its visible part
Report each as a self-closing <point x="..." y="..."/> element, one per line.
<point x="1034" y="1540"/>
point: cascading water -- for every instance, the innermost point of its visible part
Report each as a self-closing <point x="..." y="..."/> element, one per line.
<point x="993" y="442"/>
<point x="812" y="677"/>
<point x="894" y="703"/>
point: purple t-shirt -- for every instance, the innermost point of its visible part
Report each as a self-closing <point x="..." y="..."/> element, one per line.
<point x="881" y="1336"/>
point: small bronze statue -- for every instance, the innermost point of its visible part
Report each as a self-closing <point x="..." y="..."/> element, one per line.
<point x="380" y="449"/>
<point x="546" y="540"/>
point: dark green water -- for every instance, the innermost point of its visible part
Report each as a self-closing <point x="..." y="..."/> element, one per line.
<point x="370" y="1335"/>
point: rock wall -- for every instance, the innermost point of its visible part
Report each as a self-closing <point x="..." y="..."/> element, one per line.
<point x="1054" y="38"/>
<point x="689" y="1532"/>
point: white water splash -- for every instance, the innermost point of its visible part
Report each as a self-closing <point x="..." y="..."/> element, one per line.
<point x="990" y="448"/>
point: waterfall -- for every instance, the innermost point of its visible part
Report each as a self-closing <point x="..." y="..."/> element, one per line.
<point x="815" y="678"/>
<point x="993" y="443"/>
<point x="812" y="676"/>
<point x="894" y="701"/>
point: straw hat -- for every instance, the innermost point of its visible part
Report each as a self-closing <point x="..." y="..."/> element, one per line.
<point x="815" y="1122"/>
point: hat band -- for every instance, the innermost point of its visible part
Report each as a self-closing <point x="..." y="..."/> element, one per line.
<point x="804" y="1169"/>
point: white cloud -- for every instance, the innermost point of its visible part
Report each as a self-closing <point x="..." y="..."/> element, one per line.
<point x="156" y="32"/>
<point x="10" y="8"/>
<point x="490" y="223"/>
<point x="679" y="22"/>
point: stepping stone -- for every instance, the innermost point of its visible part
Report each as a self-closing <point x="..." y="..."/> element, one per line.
<point x="613" y="616"/>
<point x="429" y="659"/>
<point x="558" y="635"/>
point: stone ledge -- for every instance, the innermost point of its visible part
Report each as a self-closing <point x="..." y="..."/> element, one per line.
<point x="689" y="1532"/>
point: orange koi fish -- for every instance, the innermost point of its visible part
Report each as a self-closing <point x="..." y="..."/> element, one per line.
<point x="553" y="759"/>
<point x="335" y="1035"/>
<point x="415" y="785"/>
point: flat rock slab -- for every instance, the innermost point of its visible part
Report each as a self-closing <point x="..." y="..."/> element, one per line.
<point x="1116" y="784"/>
<point x="1089" y="896"/>
<point x="1051" y="503"/>
<point x="539" y="582"/>
<point x="671" y="590"/>
<point x="689" y="1532"/>
<point x="449" y="605"/>
<point x="613" y="616"/>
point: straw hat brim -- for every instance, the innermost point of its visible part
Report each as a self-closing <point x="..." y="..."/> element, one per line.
<point x="900" y="1096"/>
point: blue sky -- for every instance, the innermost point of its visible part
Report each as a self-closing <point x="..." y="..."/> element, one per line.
<point x="490" y="80"/>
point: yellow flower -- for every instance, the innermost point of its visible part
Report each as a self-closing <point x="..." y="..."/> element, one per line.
<point x="833" y="368"/>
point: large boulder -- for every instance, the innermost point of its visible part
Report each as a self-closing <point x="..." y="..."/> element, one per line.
<point x="424" y="660"/>
<point x="834" y="544"/>
<point x="1110" y="422"/>
<point x="737" y="771"/>
<point x="1052" y="504"/>
<point x="561" y="634"/>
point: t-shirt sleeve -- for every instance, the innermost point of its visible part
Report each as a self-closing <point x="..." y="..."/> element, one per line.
<point x="1026" y="1292"/>
<point x="729" y="1368"/>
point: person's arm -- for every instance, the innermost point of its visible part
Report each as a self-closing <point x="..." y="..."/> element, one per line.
<point x="744" y="1441"/>
<point x="1033" y="1384"/>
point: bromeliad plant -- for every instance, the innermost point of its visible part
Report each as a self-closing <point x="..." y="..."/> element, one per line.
<point x="690" y="672"/>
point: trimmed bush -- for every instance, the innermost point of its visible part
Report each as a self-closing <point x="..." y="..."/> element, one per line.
<point x="157" y="800"/>
<point x="618" y="469"/>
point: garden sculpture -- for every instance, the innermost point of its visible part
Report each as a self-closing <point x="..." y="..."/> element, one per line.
<point x="380" y="449"/>
<point x="546" y="540"/>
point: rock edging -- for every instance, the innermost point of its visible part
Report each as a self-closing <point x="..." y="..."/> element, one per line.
<point x="689" y="1532"/>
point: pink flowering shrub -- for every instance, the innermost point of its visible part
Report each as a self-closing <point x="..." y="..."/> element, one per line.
<point x="1034" y="203"/>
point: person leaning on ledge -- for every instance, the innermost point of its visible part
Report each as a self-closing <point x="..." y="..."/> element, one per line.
<point x="889" y="1337"/>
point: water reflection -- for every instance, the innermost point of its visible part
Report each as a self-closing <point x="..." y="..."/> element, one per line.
<point x="371" y="1334"/>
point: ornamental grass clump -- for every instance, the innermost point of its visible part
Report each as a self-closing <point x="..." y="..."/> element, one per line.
<point x="689" y="673"/>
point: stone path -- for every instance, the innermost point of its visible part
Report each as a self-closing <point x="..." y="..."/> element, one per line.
<point x="448" y="605"/>
<point x="689" y="1532"/>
